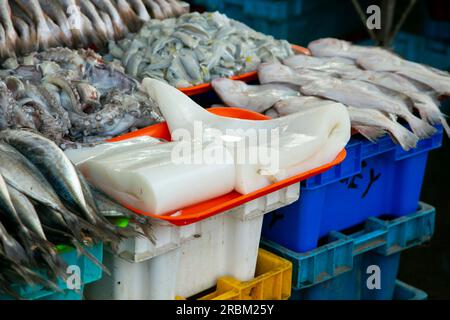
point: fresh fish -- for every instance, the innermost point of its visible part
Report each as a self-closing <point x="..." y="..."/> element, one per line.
<point x="31" y="242"/>
<point x="72" y="9"/>
<point x="54" y="10"/>
<point x="128" y="15"/>
<point x="154" y="9"/>
<point x="26" y="211"/>
<point x="140" y="9"/>
<point x="258" y="98"/>
<point x="165" y="8"/>
<point x="98" y="23"/>
<point x="277" y="72"/>
<point x="9" y="246"/>
<point x="438" y="81"/>
<point x="294" y="104"/>
<point x="54" y="164"/>
<point x="6" y="21"/>
<point x="303" y="61"/>
<point x="376" y="119"/>
<point x="365" y="95"/>
<point x="34" y="10"/>
<point x="120" y="28"/>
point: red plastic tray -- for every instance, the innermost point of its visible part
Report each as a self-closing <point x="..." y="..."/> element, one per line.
<point x="249" y="76"/>
<point x="233" y="199"/>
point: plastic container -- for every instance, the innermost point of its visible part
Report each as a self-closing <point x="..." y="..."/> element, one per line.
<point x="298" y="21"/>
<point x="404" y="291"/>
<point x="272" y="281"/>
<point x="374" y="179"/>
<point x="339" y="268"/>
<point x="264" y="9"/>
<point x="233" y="199"/>
<point x="88" y="270"/>
<point x="186" y="260"/>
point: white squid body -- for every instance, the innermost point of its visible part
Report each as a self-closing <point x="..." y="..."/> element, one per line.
<point x="144" y="174"/>
<point x="307" y="139"/>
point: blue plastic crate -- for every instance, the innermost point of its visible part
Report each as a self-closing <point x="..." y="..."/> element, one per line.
<point x="375" y="179"/>
<point x="438" y="30"/>
<point x="298" y="21"/>
<point x="404" y="291"/>
<point x="89" y="273"/>
<point x="275" y="10"/>
<point x="337" y="270"/>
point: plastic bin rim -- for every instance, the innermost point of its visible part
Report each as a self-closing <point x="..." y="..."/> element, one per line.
<point x="233" y="199"/>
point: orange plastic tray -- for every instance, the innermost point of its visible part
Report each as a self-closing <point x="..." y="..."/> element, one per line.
<point x="249" y="76"/>
<point x="233" y="199"/>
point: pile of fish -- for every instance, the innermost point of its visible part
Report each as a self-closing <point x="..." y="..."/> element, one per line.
<point x="71" y="97"/>
<point x="377" y="86"/>
<point x="31" y="25"/>
<point x="44" y="201"/>
<point x="195" y="48"/>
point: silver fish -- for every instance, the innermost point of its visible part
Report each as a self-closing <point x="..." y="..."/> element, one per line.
<point x="258" y="98"/>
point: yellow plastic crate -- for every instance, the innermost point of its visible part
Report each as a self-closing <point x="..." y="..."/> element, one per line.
<point x="272" y="281"/>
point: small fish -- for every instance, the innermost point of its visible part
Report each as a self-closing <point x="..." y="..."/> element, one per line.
<point x="6" y="21"/>
<point x="257" y="98"/>
<point x="120" y="28"/>
<point x="34" y="10"/>
<point x="154" y="9"/>
<point x="26" y="211"/>
<point x="91" y="12"/>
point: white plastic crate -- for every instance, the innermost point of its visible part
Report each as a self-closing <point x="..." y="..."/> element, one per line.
<point x="186" y="260"/>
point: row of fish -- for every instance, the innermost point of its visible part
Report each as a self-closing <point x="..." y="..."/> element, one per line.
<point x="71" y="97"/>
<point x="195" y="48"/>
<point x="377" y="86"/>
<point x="29" y="25"/>
<point x="45" y="201"/>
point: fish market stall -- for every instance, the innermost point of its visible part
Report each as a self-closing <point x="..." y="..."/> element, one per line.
<point x="112" y="165"/>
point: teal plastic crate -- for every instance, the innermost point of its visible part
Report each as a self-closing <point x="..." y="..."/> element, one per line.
<point x="337" y="269"/>
<point x="404" y="291"/>
<point x="298" y="21"/>
<point x="89" y="273"/>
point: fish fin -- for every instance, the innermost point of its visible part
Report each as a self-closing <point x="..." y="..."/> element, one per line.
<point x="146" y="227"/>
<point x="37" y="247"/>
<point x="405" y="138"/>
<point x="15" y="252"/>
<point x="370" y="133"/>
<point x="80" y="249"/>
<point x="421" y="128"/>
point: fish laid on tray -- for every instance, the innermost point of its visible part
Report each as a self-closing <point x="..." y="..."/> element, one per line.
<point x="29" y="25"/>
<point x="376" y="85"/>
<point x="45" y="201"/>
<point x="195" y="48"/>
<point x="71" y="97"/>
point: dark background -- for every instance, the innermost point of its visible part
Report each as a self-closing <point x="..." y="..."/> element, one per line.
<point x="424" y="37"/>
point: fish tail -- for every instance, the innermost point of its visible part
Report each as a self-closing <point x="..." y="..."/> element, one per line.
<point x="435" y="116"/>
<point x="81" y="250"/>
<point x="30" y="277"/>
<point x="421" y="128"/>
<point x="370" y="133"/>
<point x="405" y="138"/>
<point x="101" y="232"/>
<point x="146" y="227"/>
<point x="45" y="250"/>
<point x="15" y="252"/>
